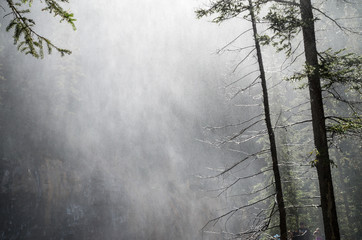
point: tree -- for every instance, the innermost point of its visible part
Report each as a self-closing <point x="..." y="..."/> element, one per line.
<point x="332" y="70"/>
<point x="25" y="37"/>
<point x="224" y="9"/>
<point x="273" y="148"/>
<point x="286" y="20"/>
<point x="323" y="162"/>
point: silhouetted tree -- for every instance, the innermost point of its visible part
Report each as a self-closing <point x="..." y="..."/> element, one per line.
<point x="225" y="8"/>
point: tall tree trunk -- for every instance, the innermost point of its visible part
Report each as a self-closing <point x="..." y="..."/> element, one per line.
<point x="273" y="148"/>
<point x="330" y="220"/>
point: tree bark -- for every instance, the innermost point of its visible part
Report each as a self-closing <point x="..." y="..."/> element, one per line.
<point x="278" y="184"/>
<point x="329" y="212"/>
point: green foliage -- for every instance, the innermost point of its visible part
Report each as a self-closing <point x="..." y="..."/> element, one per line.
<point x="341" y="75"/>
<point x="285" y="24"/>
<point x="346" y="125"/>
<point x="341" y="68"/>
<point x="57" y="10"/>
<point x="335" y="68"/>
<point x="229" y="9"/>
<point x="25" y="38"/>
<point x="224" y="9"/>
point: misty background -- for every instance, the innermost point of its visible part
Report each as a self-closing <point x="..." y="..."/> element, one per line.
<point x="105" y="143"/>
<point x="110" y="142"/>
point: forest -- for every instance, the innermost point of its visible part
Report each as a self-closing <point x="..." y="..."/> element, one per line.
<point x="185" y="119"/>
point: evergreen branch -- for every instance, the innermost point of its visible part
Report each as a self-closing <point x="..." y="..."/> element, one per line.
<point x="24" y="26"/>
<point x="338" y="97"/>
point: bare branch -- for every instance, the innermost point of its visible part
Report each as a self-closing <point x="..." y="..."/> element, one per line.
<point x="251" y="193"/>
<point x="242" y="78"/>
<point x="231" y="42"/>
<point x="233" y="125"/>
<point x="249" y="86"/>
<point x="237" y="163"/>
<point x="304" y="206"/>
<point x="295" y="123"/>
<point x="241" y="178"/>
<point x="215" y="220"/>
<point x="292" y="3"/>
<point x="242" y="131"/>
<point x="243" y="60"/>
<point x="344" y="29"/>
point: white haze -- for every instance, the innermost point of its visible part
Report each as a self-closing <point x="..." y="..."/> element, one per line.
<point x="112" y="136"/>
<point x="128" y="107"/>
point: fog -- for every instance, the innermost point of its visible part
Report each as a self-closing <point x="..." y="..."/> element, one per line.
<point x="107" y="143"/>
<point x="119" y="139"/>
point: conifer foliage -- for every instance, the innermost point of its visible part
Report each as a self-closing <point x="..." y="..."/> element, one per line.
<point x="331" y="74"/>
<point x="25" y="37"/>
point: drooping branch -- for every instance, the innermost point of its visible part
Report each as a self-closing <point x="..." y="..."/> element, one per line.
<point x="234" y="125"/>
<point x="239" y="162"/>
<point x="241" y="78"/>
<point x="248" y="87"/>
<point x="246" y="57"/>
<point x="215" y="220"/>
<point x="344" y="29"/>
<point x="24" y="26"/>
<point x="253" y="192"/>
<point x="232" y="41"/>
<point x="224" y="189"/>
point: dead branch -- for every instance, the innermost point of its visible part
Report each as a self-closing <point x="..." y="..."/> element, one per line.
<point x="232" y="41"/>
<point x="249" y="86"/>
<point x="295" y="123"/>
<point x="304" y="103"/>
<point x="242" y="78"/>
<point x="215" y="220"/>
<point x="262" y="133"/>
<point x="233" y="125"/>
<point x="241" y="178"/>
<point x="243" y="60"/>
<point x="303" y="206"/>
<point x="344" y="29"/>
<point x="254" y="192"/>
<point x="237" y="163"/>
<point x="242" y="131"/>
<point x="247" y="105"/>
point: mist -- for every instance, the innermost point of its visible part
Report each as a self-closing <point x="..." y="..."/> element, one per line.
<point x="105" y="143"/>
<point x="119" y="139"/>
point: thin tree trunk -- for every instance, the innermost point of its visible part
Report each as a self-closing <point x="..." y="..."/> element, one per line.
<point x="278" y="184"/>
<point x="330" y="220"/>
